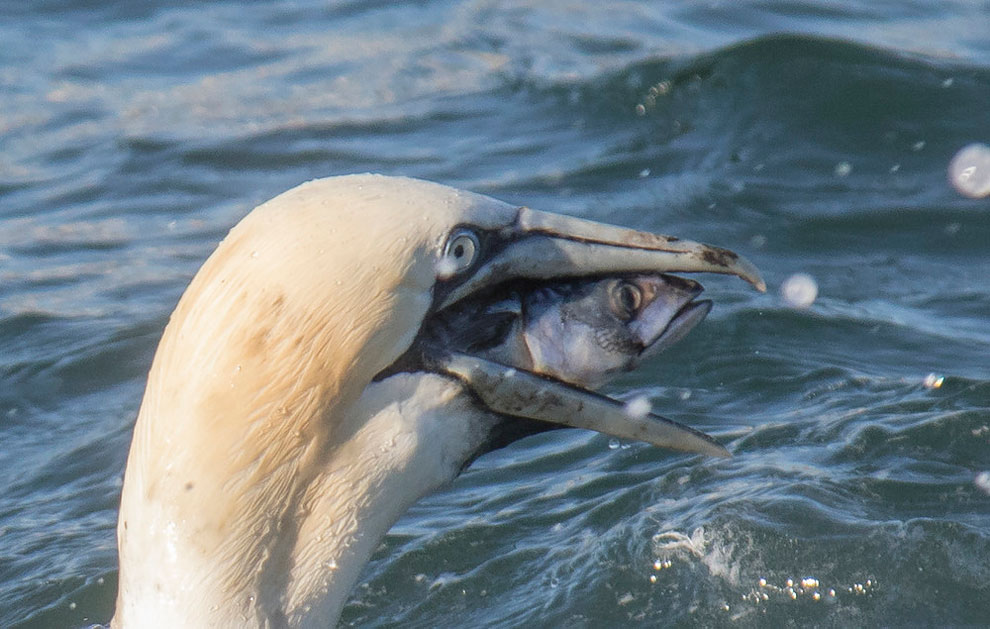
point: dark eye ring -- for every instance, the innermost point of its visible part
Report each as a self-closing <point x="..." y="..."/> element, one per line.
<point x="626" y="299"/>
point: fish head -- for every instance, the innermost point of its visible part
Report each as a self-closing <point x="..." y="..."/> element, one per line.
<point x="587" y="332"/>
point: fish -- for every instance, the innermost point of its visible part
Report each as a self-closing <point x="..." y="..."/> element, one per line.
<point x="583" y="332"/>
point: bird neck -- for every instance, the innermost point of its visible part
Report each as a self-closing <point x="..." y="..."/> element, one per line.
<point x="212" y="564"/>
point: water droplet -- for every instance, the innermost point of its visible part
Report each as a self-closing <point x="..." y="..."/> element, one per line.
<point x="969" y="171"/>
<point x="640" y="109"/>
<point x="933" y="381"/>
<point x="638" y="407"/>
<point x="445" y="267"/>
<point x="72" y="605"/>
<point x="799" y="290"/>
<point x="643" y="174"/>
<point x="554" y="582"/>
<point x="917" y="146"/>
<point x="895" y="168"/>
<point x="948" y="82"/>
<point x="613" y="444"/>
<point x="758" y="241"/>
<point x="982" y="481"/>
<point x="842" y="169"/>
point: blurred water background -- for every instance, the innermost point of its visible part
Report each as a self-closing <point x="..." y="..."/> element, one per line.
<point x="813" y="137"/>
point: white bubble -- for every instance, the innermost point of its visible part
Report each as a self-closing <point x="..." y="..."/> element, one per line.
<point x="843" y="168"/>
<point x="969" y="171"/>
<point x="638" y="407"/>
<point x="799" y="290"/>
<point x="982" y="481"/>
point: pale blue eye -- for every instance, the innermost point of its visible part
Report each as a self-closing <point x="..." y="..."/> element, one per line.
<point x="461" y="250"/>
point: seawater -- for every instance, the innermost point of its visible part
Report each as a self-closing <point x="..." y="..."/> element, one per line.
<point x="812" y="137"/>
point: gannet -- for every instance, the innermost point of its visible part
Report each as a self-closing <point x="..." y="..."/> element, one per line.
<point x="295" y="407"/>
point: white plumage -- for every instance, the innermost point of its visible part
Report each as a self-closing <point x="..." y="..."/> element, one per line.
<point x="266" y="464"/>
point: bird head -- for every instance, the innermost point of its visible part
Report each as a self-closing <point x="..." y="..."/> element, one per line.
<point x="255" y="443"/>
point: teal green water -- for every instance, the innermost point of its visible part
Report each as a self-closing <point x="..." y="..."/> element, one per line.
<point x="811" y="137"/>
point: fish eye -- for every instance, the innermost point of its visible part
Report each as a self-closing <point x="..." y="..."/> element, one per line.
<point x="626" y="299"/>
<point x="460" y="251"/>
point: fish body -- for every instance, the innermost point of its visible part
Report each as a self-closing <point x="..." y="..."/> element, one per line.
<point x="582" y="332"/>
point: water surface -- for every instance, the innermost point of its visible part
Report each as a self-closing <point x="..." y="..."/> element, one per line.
<point x="811" y="137"/>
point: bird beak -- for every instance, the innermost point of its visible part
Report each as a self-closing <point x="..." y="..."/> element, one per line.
<point x="552" y="246"/>
<point x="520" y="393"/>
<point x="545" y="246"/>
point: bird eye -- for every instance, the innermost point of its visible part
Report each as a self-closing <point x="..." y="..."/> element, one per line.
<point x="459" y="253"/>
<point x="626" y="299"/>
